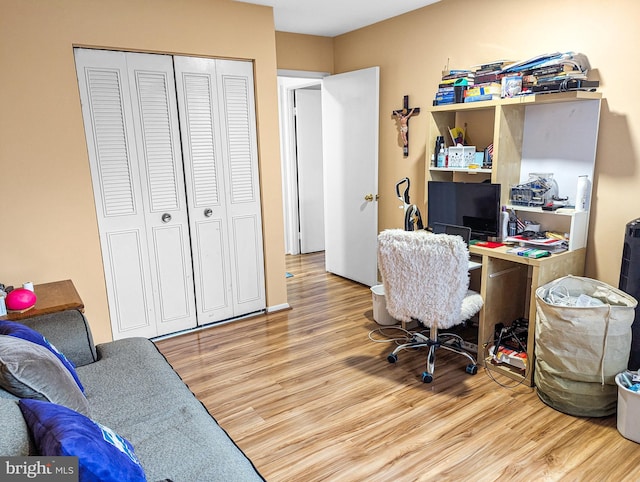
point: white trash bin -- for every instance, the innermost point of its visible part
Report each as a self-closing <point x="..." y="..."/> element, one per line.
<point x="380" y="314"/>
<point x="628" y="412"/>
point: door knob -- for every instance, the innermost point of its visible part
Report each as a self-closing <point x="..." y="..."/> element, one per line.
<point x="208" y="212"/>
<point x="166" y="217"/>
<point x="368" y="197"/>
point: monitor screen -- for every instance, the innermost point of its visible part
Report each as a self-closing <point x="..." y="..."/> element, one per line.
<point x="471" y="204"/>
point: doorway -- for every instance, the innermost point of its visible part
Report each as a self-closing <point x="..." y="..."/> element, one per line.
<point x="349" y="111"/>
<point x="301" y="148"/>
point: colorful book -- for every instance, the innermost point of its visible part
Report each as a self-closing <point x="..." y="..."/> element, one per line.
<point x="480" y="98"/>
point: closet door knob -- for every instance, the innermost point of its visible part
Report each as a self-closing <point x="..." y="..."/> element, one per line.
<point x="368" y="197"/>
<point x="166" y="217"/>
<point x="208" y="212"/>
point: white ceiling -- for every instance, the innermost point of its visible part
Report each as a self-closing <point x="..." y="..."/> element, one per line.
<point x="329" y="18"/>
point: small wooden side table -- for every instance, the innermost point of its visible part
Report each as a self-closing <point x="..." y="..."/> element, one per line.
<point x="50" y="298"/>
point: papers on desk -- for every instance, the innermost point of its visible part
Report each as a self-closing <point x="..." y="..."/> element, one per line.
<point x="551" y="245"/>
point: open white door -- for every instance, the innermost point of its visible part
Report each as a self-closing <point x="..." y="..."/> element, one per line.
<point x="350" y="119"/>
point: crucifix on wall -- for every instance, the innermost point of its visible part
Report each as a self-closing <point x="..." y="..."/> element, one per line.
<point x="402" y="116"/>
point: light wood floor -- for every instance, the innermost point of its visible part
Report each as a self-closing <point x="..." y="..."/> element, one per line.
<point x="309" y="397"/>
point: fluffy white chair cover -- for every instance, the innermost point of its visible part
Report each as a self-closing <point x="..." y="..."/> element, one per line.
<point x="426" y="277"/>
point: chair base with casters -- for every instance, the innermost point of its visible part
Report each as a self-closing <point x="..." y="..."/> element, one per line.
<point x="447" y="341"/>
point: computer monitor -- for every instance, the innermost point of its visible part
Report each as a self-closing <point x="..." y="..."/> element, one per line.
<point x="471" y="204"/>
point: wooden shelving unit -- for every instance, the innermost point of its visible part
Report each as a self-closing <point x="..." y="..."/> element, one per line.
<point x="544" y="133"/>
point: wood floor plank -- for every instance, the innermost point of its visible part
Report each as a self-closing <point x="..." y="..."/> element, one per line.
<point x="308" y="396"/>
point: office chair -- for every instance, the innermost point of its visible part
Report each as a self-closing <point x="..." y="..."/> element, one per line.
<point x="426" y="278"/>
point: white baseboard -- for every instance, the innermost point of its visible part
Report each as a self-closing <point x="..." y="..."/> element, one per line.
<point x="281" y="307"/>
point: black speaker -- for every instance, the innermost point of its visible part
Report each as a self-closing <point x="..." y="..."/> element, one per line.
<point x="630" y="284"/>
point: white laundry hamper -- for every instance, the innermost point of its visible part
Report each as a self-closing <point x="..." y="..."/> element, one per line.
<point x="580" y="349"/>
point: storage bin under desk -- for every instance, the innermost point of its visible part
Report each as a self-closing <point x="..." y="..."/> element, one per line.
<point x="508" y="285"/>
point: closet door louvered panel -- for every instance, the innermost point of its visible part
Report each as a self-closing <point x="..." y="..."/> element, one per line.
<point x="239" y="141"/>
<point x="111" y="147"/>
<point x="198" y="100"/>
<point x="153" y="95"/>
<point x="203" y="164"/>
<point x="113" y="158"/>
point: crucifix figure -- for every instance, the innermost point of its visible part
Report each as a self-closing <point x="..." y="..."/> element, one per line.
<point x="403" y="116"/>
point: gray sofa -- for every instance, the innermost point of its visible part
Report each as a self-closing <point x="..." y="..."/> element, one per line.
<point x="133" y="390"/>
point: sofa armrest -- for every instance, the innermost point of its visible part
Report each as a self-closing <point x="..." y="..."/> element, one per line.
<point x="69" y="332"/>
<point x="14" y="436"/>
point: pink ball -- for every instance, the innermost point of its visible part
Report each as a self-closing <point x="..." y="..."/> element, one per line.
<point x="20" y="299"/>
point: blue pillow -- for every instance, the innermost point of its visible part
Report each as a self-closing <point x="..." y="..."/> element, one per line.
<point x="22" y="331"/>
<point x="102" y="454"/>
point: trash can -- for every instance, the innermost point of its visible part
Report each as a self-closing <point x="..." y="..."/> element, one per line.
<point x="380" y="313"/>
<point x="628" y="410"/>
<point x="582" y="340"/>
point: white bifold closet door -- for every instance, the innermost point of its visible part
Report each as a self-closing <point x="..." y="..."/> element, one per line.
<point x="217" y="119"/>
<point x="165" y="269"/>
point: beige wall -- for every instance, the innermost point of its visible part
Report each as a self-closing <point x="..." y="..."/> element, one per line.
<point x="412" y="49"/>
<point x="304" y="52"/>
<point x="49" y="228"/>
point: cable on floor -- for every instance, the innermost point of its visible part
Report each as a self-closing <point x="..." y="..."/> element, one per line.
<point x="388" y="338"/>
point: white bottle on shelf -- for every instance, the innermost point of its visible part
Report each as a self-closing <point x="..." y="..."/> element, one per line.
<point x="504" y="223"/>
<point x="582" y="193"/>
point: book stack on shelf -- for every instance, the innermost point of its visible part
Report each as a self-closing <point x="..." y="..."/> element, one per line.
<point x="547" y="73"/>
<point x="490" y="72"/>
<point x="452" y="80"/>
<point x="487" y="81"/>
<point x="557" y="72"/>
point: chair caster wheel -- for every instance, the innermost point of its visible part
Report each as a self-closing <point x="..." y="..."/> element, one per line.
<point x="427" y="377"/>
<point x="392" y="358"/>
<point x="472" y="369"/>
